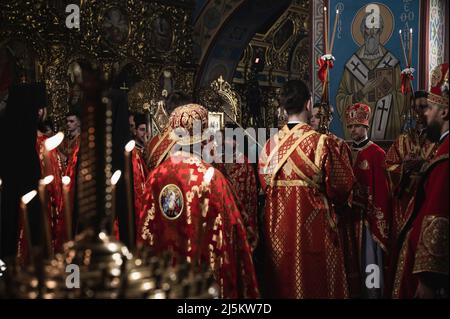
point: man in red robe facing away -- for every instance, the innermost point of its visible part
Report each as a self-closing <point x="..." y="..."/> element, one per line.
<point x="371" y="200"/>
<point x="302" y="174"/>
<point x="422" y="267"/>
<point x="190" y="210"/>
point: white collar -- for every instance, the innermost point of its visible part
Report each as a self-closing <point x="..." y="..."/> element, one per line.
<point x="361" y="142"/>
<point x="444" y="135"/>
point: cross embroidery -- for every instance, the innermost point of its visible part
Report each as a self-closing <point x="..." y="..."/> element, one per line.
<point x="383" y="109"/>
<point x="387" y="64"/>
<point x="356" y="68"/>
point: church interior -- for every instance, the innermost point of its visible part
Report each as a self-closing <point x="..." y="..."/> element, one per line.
<point x="93" y="204"/>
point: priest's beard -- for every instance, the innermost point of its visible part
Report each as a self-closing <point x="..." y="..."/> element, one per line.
<point x="372" y="44"/>
<point x="433" y="132"/>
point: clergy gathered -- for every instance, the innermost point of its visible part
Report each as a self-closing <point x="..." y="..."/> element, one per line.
<point x="293" y="212"/>
<point x="339" y="220"/>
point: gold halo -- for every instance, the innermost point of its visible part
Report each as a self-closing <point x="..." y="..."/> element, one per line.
<point x="388" y="20"/>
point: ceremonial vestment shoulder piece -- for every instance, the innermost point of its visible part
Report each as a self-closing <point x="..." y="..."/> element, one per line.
<point x="302" y="174"/>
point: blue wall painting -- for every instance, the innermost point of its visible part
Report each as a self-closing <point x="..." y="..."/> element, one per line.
<point x="369" y="59"/>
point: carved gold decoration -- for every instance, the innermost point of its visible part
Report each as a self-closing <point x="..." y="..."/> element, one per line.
<point x="220" y="97"/>
<point x="285" y="48"/>
<point x="161" y="117"/>
<point x="151" y="35"/>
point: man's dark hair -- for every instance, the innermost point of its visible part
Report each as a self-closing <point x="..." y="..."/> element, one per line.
<point x="420" y="93"/>
<point x="74" y="110"/>
<point x="294" y="95"/>
<point x="139" y="119"/>
<point x="176" y="99"/>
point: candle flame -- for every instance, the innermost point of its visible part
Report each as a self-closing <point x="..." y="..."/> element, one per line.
<point x="337" y="11"/>
<point x="410" y="30"/>
<point x="52" y="142"/>
<point x="1" y="182"/>
<point x="28" y="197"/>
<point x="400" y="31"/>
<point x="116" y="176"/>
<point x="66" y="180"/>
<point x="324" y="8"/>
<point x="47" y="180"/>
<point x="130" y="146"/>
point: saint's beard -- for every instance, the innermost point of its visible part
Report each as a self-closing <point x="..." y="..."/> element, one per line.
<point x="372" y="44"/>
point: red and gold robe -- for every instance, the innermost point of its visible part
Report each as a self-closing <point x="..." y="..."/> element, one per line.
<point x="158" y="149"/>
<point x="302" y="174"/>
<point x="241" y="175"/>
<point x="403" y="185"/>
<point x="371" y="197"/>
<point x="55" y="202"/>
<point x="72" y="167"/>
<point x="67" y="149"/>
<point x="140" y="174"/>
<point x="189" y="209"/>
<point x="139" y="178"/>
<point x="346" y="224"/>
<point x="424" y="246"/>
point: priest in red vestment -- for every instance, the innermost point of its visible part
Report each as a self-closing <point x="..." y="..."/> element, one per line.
<point x="139" y="168"/>
<point x="190" y="210"/>
<point x="371" y="200"/>
<point x="242" y="176"/>
<point x="320" y="121"/>
<point x="422" y="267"/>
<point x="404" y="159"/>
<point x="48" y="166"/>
<point x="302" y="175"/>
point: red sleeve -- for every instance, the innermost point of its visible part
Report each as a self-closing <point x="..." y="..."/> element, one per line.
<point x="431" y="255"/>
<point x="381" y="198"/>
<point x="436" y="189"/>
<point x="393" y="162"/>
<point x="339" y="176"/>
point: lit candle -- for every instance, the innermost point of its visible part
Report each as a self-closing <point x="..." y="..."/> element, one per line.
<point x="67" y="207"/>
<point x="43" y="196"/>
<point x="410" y="46"/>
<point x="334" y="31"/>
<point x="403" y="48"/>
<point x="28" y="197"/>
<point x="129" y="189"/>
<point x="325" y="28"/>
<point x="114" y="179"/>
